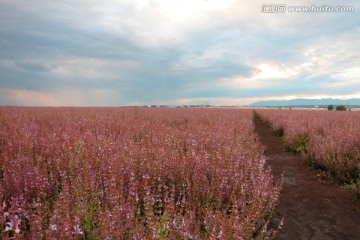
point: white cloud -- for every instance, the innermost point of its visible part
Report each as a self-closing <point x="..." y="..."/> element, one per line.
<point x="152" y="23"/>
<point x="348" y="78"/>
<point x="268" y="71"/>
<point x="264" y="75"/>
<point x="331" y="56"/>
<point x="352" y="74"/>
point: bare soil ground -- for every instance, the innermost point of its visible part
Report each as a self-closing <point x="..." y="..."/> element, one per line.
<point x="313" y="207"/>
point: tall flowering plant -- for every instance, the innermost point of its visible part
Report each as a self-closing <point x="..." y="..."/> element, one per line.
<point x="329" y="140"/>
<point x="133" y="173"/>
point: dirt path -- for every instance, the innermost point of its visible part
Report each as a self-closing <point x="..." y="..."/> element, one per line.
<point x="312" y="206"/>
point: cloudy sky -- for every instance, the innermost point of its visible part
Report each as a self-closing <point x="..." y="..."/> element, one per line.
<point x="140" y="52"/>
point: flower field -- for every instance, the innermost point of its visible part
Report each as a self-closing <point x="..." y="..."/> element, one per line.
<point x="329" y="140"/>
<point x="134" y="173"/>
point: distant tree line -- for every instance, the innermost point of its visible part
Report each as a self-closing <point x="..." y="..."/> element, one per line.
<point x="338" y="108"/>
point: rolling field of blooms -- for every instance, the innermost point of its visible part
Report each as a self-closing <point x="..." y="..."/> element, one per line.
<point x="329" y="139"/>
<point x="132" y="173"/>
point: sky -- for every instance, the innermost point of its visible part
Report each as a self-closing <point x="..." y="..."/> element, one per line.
<point x="176" y="52"/>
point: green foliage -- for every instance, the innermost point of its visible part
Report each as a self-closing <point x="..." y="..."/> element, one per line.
<point x="349" y="176"/>
<point x="88" y="223"/>
<point x="280" y="132"/>
<point x="340" y="108"/>
<point x="314" y="164"/>
<point x="354" y="187"/>
<point x="298" y="144"/>
<point x="163" y="233"/>
<point x="330" y="107"/>
<point x="357" y="195"/>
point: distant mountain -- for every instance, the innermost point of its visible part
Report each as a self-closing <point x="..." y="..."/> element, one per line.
<point x="306" y="102"/>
